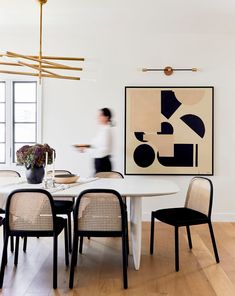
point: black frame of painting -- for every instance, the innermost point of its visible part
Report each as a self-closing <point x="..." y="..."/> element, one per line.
<point x="212" y="131"/>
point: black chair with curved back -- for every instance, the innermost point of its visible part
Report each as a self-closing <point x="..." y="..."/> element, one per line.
<point x="14" y="174"/>
<point x="99" y="213"/>
<point x="114" y="175"/>
<point x="197" y="210"/>
<point x="31" y="213"/>
<point x="63" y="206"/>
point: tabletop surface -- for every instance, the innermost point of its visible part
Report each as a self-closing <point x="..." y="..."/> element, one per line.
<point x="130" y="186"/>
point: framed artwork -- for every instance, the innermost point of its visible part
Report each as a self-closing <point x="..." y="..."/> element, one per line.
<point x="169" y="130"/>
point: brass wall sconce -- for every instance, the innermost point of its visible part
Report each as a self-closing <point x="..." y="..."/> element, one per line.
<point x="169" y="70"/>
<point x="39" y="63"/>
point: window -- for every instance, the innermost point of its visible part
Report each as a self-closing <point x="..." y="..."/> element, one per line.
<point x="19" y="117"/>
<point x="2" y="122"/>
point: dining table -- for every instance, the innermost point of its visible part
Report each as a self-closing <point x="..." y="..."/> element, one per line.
<point x="136" y="188"/>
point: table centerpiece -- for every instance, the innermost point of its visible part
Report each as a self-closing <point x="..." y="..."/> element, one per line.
<point x="35" y="158"/>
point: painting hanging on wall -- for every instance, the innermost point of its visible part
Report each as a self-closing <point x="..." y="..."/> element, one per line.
<point x="169" y="130"/>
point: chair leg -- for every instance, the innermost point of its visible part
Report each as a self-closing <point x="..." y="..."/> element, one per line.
<point x="128" y="249"/>
<point x="16" y="250"/>
<point x="55" y="238"/>
<point x="66" y="245"/>
<point x="81" y="244"/>
<point x="25" y="244"/>
<point x="70" y="232"/>
<point x="189" y="237"/>
<point x="4" y="236"/>
<point x="152" y="234"/>
<point x="73" y="260"/>
<point x="12" y="244"/>
<point x="176" y="248"/>
<point x="213" y="242"/>
<point x="4" y="260"/>
<point x="124" y="258"/>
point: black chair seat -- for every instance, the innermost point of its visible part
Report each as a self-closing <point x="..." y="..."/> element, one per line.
<point x="63" y="206"/>
<point x="60" y="223"/>
<point x="180" y="216"/>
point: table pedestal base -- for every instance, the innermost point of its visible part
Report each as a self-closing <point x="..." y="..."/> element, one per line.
<point x="136" y="229"/>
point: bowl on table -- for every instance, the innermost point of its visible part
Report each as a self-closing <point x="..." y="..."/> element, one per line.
<point x="65" y="178"/>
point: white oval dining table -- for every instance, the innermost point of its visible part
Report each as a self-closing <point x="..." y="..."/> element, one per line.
<point x="134" y="187"/>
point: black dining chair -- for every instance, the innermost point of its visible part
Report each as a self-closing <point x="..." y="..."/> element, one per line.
<point x="112" y="175"/>
<point x="197" y="210"/>
<point x="15" y="174"/>
<point x="99" y="213"/>
<point x="63" y="206"/>
<point x="31" y="213"/>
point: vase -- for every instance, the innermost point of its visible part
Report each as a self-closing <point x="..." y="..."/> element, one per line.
<point x="35" y="175"/>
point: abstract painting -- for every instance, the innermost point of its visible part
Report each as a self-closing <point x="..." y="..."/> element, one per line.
<point x="169" y="130"/>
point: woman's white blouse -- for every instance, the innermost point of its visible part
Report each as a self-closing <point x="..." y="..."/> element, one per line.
<point x="101" y="145"/>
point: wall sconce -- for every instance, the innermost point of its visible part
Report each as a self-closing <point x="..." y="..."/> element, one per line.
<point x="168" y="70"/>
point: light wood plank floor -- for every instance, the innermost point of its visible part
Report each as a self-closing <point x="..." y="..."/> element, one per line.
<point x="99" y="270"/>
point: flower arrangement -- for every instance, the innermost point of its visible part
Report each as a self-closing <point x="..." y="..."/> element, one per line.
<point x="35" y="155"/>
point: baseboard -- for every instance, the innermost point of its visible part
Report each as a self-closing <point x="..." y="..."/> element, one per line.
<point x="216" y="217"/>
<point x="223" y="217"/>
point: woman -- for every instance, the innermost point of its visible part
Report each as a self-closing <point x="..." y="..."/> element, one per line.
<point x="101" y="145"/>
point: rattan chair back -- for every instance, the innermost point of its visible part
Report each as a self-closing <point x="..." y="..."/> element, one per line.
<point x="99" y="211"/>
<point x="199" y="195"/>
<point x="59" y="172"/>
<point x="9" y="173"/>
<point x="112" y="174"/>
<point x="30" y="210"/>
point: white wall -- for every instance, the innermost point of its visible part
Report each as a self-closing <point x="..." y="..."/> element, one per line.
<point x="118" y="38"/>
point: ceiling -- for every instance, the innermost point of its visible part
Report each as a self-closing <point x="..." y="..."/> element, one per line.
<point x="166" y="16"/>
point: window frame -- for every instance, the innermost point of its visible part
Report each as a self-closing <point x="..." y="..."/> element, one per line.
<point x="9" y="117"/>
<point x="4" y="122"/>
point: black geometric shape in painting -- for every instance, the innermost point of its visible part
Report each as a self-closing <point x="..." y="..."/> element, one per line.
<point x="140" y="136"/>
<point x="144" y="155"/>
<point x="166" y="129"/>
<point x="195" y="123"/>
<point x="169" y="103"/>
<point x="196" y="155"/>
<point x="183" y="156"/>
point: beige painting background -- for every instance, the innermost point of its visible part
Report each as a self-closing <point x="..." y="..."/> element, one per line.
<point x="143" y="114"/>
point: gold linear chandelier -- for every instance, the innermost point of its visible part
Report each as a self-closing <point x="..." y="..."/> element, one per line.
<point x="39" y="63"/>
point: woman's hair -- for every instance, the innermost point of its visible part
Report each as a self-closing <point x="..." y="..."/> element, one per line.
<point x="107" y="113"/>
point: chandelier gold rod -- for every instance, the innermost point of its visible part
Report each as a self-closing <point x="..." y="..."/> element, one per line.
<point x="40" y="43"/>
<point x="60" y="58"/>
<point x="37" y="74"/>
<point x="36" y="68"/>
<point x="44" y="66"/>
<point x="52" y="58"/>
<point x="16" y="55"/>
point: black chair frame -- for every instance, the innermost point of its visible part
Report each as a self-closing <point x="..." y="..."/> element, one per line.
<point x="67" y="210"/>
<point x="36" y="233"/>
<point x="78" y="233"/>
<point x="3" y="211"/>
<point x="201" y="219"/>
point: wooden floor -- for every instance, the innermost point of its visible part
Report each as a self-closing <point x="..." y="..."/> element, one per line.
<point x="99" y="270"/>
